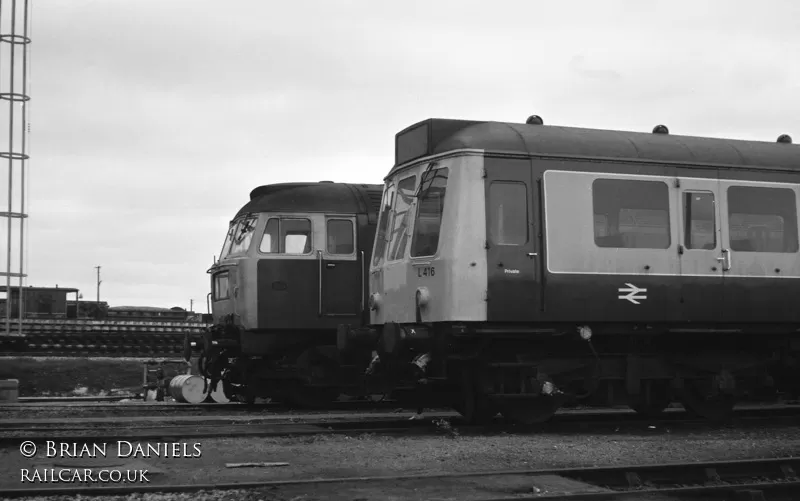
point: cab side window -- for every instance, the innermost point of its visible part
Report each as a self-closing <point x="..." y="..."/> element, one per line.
<point x="286" y="236"/>
<point x="340" y="237"/>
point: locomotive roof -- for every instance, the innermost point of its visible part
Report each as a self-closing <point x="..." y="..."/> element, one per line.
<point x="433" y="136"/>
<point x="324" y="196"/>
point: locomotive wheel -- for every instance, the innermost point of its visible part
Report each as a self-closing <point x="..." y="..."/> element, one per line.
<point x="659" y="399"/>
<point x="535" y="411"/>
<point x="696" y="400"/>
<point x="476" y="407"/>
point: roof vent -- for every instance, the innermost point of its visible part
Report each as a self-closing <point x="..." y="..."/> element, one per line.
<point x="534" y="120"/>
<point x="660" y="129"/>
<point x="326" y="181"/>
<point x="785" y="138"/>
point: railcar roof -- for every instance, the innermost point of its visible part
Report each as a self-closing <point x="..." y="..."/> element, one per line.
<point x="445" y="135"/>
<point x="326" y="197"/>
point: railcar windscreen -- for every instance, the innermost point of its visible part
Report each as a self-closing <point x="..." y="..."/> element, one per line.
<point x="430" y="207"/>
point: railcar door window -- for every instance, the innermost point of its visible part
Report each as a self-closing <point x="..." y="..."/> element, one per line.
<point x="700" y="227"/>
<point x="631" y="214"/>
<point x="286" y="236"/>
<point x="221" y="286"/>
<point x="762" y="219"/>
<point x="340" y="237"/>
<point x="402" y="218"/>
<point x="508" y="213"/>
<point x="430" y="208"/>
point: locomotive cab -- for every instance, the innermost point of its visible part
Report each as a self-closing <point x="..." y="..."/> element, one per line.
<point x="292" y="267"/>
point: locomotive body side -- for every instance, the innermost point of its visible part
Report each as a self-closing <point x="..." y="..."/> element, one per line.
<point x="293" y="266"/>
<point x="586" y="264"/>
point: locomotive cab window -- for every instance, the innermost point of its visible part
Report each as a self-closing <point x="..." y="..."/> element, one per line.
<point x="340" y="237"/>
<point x="762" y="219"/>
<point x="243" y="235"/>
<point x="700" y="227"/>
<point x="508" y="213"/>
<point x="631" y="214"/>
<point x="430" y="207"/>
<point x="286" y="236"/>
<point x="221" y="286"/>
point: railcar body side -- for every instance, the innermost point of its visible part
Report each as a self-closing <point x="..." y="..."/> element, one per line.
<point x="293" y="266"/>
<point x="578" y="262"/>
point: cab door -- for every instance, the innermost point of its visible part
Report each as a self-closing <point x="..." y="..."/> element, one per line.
<point x="341" y="269"/>
<point x="512" y="254"/>
<point x="703" y="259"/>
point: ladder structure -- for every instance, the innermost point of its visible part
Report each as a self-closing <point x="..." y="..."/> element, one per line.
<point x="14" y="102"/>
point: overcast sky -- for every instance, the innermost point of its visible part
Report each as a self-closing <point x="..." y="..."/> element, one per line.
<point x="152" y="120"/>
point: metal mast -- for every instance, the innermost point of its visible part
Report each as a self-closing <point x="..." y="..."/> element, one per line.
<point x="14" y="69"/>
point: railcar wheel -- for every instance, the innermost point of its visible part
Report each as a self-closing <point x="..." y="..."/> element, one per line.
<point x="475" y="406"/>
<point x="654" y="403"/>
<point x="535" y="411"/>
<point x="696" y="400"/>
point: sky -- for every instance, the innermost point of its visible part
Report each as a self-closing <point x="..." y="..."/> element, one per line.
<point x="151" y="121"/>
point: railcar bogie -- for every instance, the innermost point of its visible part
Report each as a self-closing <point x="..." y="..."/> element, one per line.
<point x="517" y="267"/>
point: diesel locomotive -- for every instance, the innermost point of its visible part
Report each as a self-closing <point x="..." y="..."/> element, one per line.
<point x="293" y="266"/>
<point x="520" y="266"/>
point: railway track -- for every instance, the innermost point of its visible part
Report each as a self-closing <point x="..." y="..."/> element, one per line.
<point x="221" y="426"/>
<point x="742" y="479"/>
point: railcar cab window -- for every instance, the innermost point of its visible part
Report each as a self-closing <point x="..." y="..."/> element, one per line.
<point x="762" y="219"/>
<point x="286" y="236"/>
<point x="508" y="213"/>
<point x="398" y="240"/>
<point x="430" y="206"/>
<point x="700" y="226"/>
<point x="631" y="214"/>
<point x="243" y="235"/>
<point x="340" y="237"/>
<point x="380" y="235"/>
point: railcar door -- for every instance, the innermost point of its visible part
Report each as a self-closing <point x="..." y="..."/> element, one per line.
<point x="342" y="269"/>
<point x="701" y="252"/>
<point x="760" y="237"/>
<point x="511" y="233"/>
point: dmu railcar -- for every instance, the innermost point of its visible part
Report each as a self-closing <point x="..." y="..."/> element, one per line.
<point x="520" y="266"/>
<point x="293" y="266"/>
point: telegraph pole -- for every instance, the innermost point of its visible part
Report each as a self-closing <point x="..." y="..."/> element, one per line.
<point x="98" y="286"/>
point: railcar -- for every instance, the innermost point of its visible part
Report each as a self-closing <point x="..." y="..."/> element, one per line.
<point x="517" y="267"/>
<point x="293" y="266"/>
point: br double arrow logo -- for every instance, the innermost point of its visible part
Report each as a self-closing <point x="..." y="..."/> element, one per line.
<point x="632" y="293"/>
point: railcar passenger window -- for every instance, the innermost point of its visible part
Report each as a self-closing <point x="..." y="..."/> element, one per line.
<point x="631" y="214"/>
<point x="430" y="207"/>
<point x="700" y="227"/>
<point x="762" y="219"/>
<point x="402" y="217"/>
<point x="340" y="237"/>
<point x="508" y="213"/>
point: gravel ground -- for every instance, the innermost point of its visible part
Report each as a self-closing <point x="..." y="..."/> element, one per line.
<point x="341" y="456"/>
